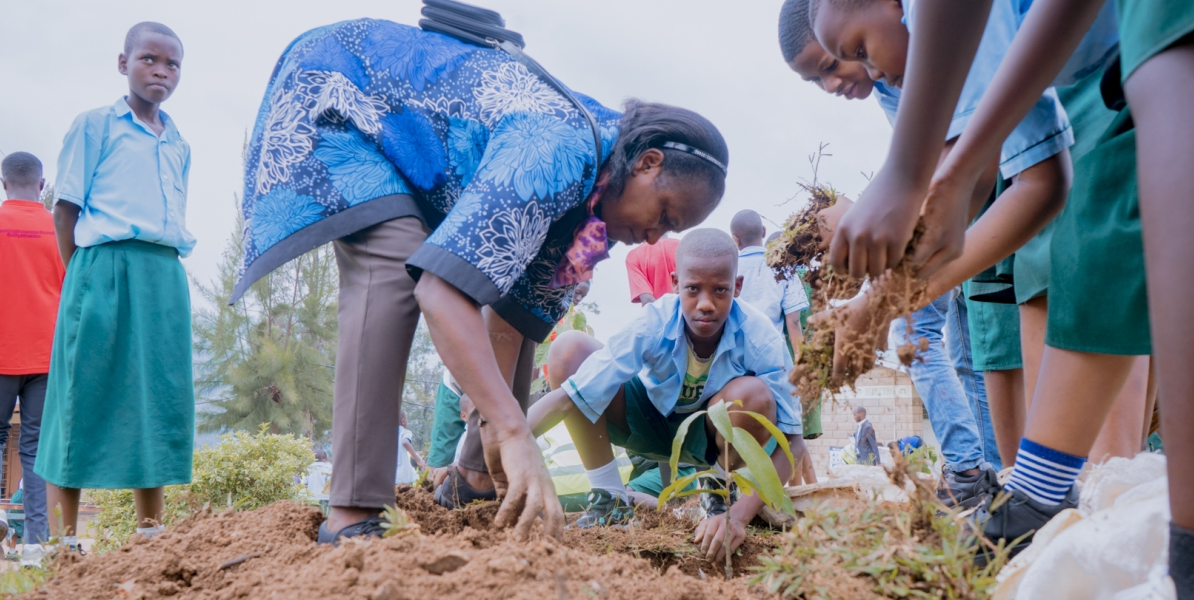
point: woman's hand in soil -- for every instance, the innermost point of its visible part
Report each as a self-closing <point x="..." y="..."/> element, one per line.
<point x="522" y="481"/>
<point x="711" y="534"/>
<point x="872" y="235"/>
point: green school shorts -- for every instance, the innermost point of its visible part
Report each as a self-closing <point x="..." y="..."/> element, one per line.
<point x="1098" y="302"/>
<point x="651" y="481"/>
<point x="810" y="418"/>
<point x="650" y="433"/>
<point x="446" y="429"/>
<point x="1146" y="27"/>
<point x="994" y="333"/>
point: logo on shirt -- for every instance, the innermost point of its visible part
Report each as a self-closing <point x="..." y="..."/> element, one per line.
<point x="692" y="388"/>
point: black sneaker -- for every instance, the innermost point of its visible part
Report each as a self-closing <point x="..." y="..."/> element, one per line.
<point x="1016" y="515"/>
<point x="367" y="528"/>
<point x="715" y="504"/>
<point x="967" y="491"/>
<point x="605" y="509"/>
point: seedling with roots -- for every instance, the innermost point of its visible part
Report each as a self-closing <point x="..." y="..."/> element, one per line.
<point x="758" y="477"/>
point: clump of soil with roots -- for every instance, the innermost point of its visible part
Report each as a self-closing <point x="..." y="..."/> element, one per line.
<point x="801" y="246"/>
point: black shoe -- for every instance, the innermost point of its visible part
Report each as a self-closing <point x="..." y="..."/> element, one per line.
<point x="455" y="492"/>
<point x="967" y="491"/>
<point x="367" y="528"/>
<point x="715" y="504"/>
<point x="1017" y="515"/>
<point x="605" y="509"/>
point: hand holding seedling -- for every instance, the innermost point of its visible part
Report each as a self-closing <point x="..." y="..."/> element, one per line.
<point x="710" y="535"/>
<point x="873" y="233"/>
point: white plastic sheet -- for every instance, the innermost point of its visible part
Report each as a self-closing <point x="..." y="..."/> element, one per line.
<point x="1113" y="547"/>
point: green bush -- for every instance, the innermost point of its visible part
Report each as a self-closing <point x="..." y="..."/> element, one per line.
<point x="244" y="471"/>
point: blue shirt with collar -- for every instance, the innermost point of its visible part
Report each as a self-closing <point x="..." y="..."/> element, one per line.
<point x="130" y="183"/>
<point x="775" y="299"/>
<point x="654" y="348"/>
<point x="1043" y="132"/>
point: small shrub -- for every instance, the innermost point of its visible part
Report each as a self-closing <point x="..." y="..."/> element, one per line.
<point x="244" y="471"/>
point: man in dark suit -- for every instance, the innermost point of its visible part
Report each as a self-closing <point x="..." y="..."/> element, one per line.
<point x="864" y="439"/>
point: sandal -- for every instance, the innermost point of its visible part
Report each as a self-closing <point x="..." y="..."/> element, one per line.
<point x="455" y="492"/>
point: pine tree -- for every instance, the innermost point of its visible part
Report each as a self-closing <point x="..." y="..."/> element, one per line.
<point x="270" y="357"/>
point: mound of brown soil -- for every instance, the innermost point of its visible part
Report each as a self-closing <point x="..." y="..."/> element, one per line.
<point x="271" y="553"/>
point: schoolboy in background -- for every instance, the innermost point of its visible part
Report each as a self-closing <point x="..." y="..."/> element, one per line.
<point x="686" y="352"/>
<point x="780" y="301"/>
<point x="120" y="405"/>
<point x="649" y="267"/>
<point x="32" y="273"/>
<point x="1155" y="72"/>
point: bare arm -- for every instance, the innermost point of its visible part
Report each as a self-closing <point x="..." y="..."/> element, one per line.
<point x="1049" y="35"/>
<point x="795" y="333"/>
<point x="515" y="462"/>
<point x="646" y="299"/>
<point x="875" y="231"/>
<point x="411" y="449"/>
<point x="66" y="215"/>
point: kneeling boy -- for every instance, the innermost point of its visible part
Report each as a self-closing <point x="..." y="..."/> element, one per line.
<point x="685" y="353"/>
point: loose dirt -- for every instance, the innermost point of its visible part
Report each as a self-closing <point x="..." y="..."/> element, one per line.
<point x="271" y="553"/>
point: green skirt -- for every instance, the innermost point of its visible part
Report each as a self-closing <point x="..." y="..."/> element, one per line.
<point x="1098" y="302"/>
<point x="446" y="429"/>
<point x="120" y="403"/>
<point x="1147" y="27"/>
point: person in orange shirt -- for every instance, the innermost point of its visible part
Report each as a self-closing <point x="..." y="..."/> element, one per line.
<point x="32" y="273"/>
<point x="650" y="269"/>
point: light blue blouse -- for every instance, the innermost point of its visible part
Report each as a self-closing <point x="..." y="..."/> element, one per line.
<point x="654" y="348"/>
<point x="130" y="183"/>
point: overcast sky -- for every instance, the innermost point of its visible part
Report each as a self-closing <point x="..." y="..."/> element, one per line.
<point x="716" y="57"/>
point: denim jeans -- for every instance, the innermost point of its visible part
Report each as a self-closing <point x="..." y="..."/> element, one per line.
<point x="957" y="327"/>
<point x="937" y="382"/>
<point x="32" y="391"/>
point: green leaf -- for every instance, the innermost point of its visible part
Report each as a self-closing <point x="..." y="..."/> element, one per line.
<point x="678" y="441"/>
<point x="720" y="416"/>
<point x="674" y="490"/>
<point x="769" y="487"/>
<point x="779" y="436"/>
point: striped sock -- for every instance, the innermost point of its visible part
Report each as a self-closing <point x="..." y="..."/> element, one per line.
<point x="1043" y="473"/>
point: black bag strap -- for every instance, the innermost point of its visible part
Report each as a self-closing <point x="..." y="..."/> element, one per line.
<point x="484" y="27"/>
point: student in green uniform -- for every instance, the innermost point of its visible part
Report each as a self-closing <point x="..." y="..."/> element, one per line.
<point x="1147" y="147"/>
<point x="120" y="403"/>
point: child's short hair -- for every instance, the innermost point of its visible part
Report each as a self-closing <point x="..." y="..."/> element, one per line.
<point x="708" y="243"/>
<point x="136" y="32"/>
<point x="747" y="226"/>
<point x="795" y="29"/>
<point x="842" y="5"/>
<point x="21" y="168"/>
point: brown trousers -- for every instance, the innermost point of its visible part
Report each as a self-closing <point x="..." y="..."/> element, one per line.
<point x="378" y="316"/>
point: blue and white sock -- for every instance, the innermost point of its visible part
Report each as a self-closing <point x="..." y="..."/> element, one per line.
<point x="1043" y="473"/>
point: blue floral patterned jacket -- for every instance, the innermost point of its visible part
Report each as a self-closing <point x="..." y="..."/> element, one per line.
<point x="366" y="121"/>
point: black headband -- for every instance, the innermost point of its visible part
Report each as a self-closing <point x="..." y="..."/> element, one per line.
<point x="696" y="152"/>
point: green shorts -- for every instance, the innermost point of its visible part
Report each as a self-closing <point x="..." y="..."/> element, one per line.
<point x="810" y="418"/>
<point x="994" y="334"/>
<point x="651" y="481"/>
<point x="446" y="428"/>
<point x="1098" y="302"/>
<point x="650" y="433"/>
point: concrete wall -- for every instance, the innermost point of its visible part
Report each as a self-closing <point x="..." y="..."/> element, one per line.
<point x="892" y="406"/>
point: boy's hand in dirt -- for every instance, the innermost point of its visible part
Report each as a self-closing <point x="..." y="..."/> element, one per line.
<point x="946" y="211"/>
<point x="711" y="534"/>
<point x="872" y="235"/>
<point x="522" y="482"/>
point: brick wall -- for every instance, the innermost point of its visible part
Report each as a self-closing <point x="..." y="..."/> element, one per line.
<point x="892" y="406"/>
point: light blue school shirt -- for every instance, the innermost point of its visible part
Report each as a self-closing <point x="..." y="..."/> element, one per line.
<point x="1045" y="130"/>
<point x="760" y="289"/>
<point x="655" y="348"/>
<point x="130" y="183"/>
